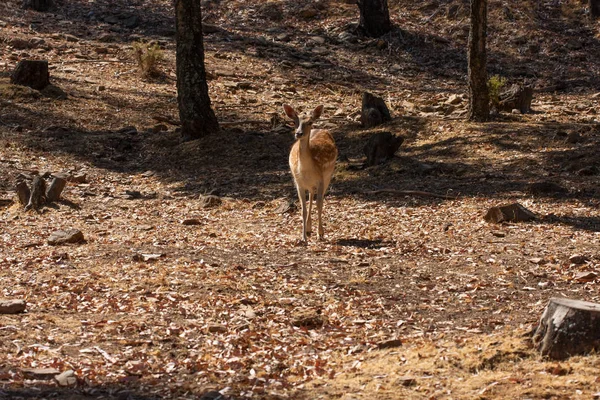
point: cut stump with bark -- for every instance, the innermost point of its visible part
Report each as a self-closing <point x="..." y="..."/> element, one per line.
<point x="381" y="147"/>
<point x="374" y="111"/>
<point x="568" y="327"/>
<point x="12" y="306"/>
<point x="510" y="213"/>
<point x="23" y="192"/>
<point x="31" y="73"/>
<point x="38" y="194"/>
<point x="56" y="187"/>
<point x="516" y="97"/>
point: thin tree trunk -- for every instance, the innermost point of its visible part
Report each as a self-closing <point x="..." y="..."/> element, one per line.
<point x="374" y="17"/>
<point x="479" y="100"/>
<point x="195" y="112"/>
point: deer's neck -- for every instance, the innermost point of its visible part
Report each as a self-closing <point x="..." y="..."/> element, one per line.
<point x="304" y="149"/>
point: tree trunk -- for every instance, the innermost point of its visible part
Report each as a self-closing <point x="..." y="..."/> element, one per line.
<point x="567" y="328"/>
<point x="479" y="99"/>
<point x="38" y="5"/>
<point x="374" y="17"/>
<point x="195" y="112"/>
<point x="594" y="9"/>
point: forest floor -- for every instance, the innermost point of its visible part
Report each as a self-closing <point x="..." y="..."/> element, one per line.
<point x="174" y="293"/>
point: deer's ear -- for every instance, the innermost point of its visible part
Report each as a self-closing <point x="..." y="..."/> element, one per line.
<point x="290" y="112"/>
<point x="317" y="112"/>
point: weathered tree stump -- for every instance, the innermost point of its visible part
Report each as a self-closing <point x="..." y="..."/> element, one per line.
<point x="568" y="327"/>
<point x="510" y="213"/>
<point x="594" y="9"/>
<point x="374" y="17"/>
<point x="23" y="192"/>
<point x="55" y="189"/>
<point x="12" y="306"/>
<point x="381" y="147"/>
<point x="516" y="97"/>
<point x="374" y="111"/>
<point x="38" y="5"/>
<point x="38" y="194"/>
<point x="31" y="73"/>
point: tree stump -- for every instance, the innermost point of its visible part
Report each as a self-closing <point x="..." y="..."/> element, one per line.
<point x="374" y="17"/>
<point x="516" y="97"/>
<point x="56" y="187"/>
<point x="510" y="213"/>
<point x="381" y="147"/>
<point x="23" y="192"/>
<point x="31" y="73"/>
<point x="38" y="5"/>
<point x="374" y="111"/>
<point x="38" y="194"/>
<point x="594" y="9"/>
<point x="568" y="327"/>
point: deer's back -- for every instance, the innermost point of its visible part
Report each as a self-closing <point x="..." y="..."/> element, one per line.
<point x="320" y="165"/>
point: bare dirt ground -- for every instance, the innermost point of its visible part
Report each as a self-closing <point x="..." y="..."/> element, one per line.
<point x="408" y="297"/>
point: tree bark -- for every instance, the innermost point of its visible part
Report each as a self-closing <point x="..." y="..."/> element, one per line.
<point x="594" y="9"/>
<point x="567" y="328"/>
<point x="195" y="112"/>
<point x="479" y="99"/>
<point x="38" y="5"/>
<point x="374" y="17"/>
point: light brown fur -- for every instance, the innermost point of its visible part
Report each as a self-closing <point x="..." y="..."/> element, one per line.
<point x="312" y="161"/>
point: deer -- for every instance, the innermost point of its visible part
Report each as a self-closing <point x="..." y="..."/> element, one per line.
<point x="312" y="161"/>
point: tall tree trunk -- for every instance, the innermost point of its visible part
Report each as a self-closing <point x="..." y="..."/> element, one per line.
<point x="594" y="9"/>
<point x="479" y="99"/>
<point x="195" y="112"/>
<point x="374" y="17"/>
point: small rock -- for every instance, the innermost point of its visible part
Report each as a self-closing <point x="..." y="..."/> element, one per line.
<point x="191" y="221"/>
<point x="101" y="50"/>
<point x="538" y="261"/>
<point x="318" y="39"/>
<point x="586" y="276"/>
<point x="308" y="318"/>
<point x="213" y="395"/>
<point x="514" y="212"/>
<point x="147" y="257"/>
<point x="210" y="28"/>
<point x="131" y="22"/>
<point x="388" y="344"/>
<point x="545" y="187"/>
<point x="216" y="328"/>
<point x="454" y="99"/>
<point x="574" y="137"/>
<point x="283" y="37"/>
<point x="406" y="381"/>
<point x="145" y="227"/>
<point x="12" y="306"/>
<point x="19" y="44"/>
<point x="588" y="171"/>
<point x="68" y="236"/>
<point x="308" y="13"/>
<point x="40" y="373"/>
<point x="578" y="259"/>
<point x="499" y="234"/>
<point x="70" y="38"/>
<point x="287" y="206"/>
<point x="78" y="178"/>
<point x="159" y="128"/>
<point x="129" y="130"/>
<point x="66" y="378"/>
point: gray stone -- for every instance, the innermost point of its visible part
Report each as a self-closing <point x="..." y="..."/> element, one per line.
<point x="68" y="236"/>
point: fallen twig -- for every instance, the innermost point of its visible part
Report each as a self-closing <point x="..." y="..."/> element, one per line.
<point x="411" y="193"/>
